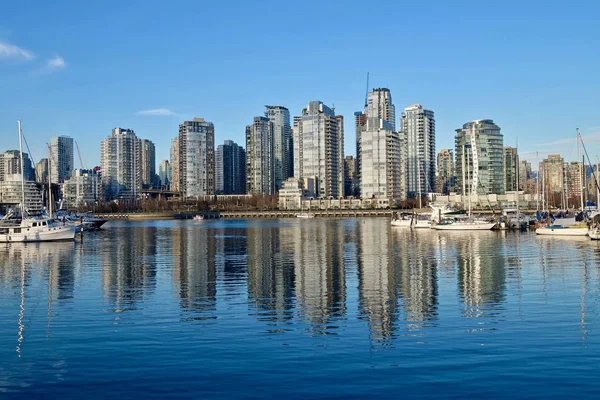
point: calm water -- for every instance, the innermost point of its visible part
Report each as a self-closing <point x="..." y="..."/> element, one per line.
<point x="297" y="309"/>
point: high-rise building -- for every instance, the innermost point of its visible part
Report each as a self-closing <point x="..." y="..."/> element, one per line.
<point x="478" y="158"/>
<point x="197" y="158"/>
<point x="339" y="162"/>
<point x="282" y="148"/>
<point x="148" y="164"/>
<point x="260" y="172"/>
<point x="446" y="176"/>
<point x="524" y="173"/>
<point x="318" y="149"/>
<point x="575" y="177"/>
<point x="380" y="149"/>
<point x="10" y="164"/>
<point x="41" y="171"/>
<point x="164" y="175"/>
<point x="378" y="105"/>
<point x="121" y="159"/>
<point x="175" y="164"/>
<point x="360" y="121"/>
<point x="351" y="182"/>
<point x="60" y="155"/>
<point x="417" y="127"/>
<point x="511" y="169"/>
<point x="230" y="169"/>
<point x="552" y="170"/>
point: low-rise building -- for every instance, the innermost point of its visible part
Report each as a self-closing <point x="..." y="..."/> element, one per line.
<point x="10" y="193"/>
<point x="81" y="189"/>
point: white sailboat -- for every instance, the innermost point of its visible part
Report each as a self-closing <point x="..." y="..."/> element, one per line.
<point x="469" y="223"/>
<point x="40" y="228"/>
<point x="594" y="232"/>
<point x="422" y="221"/>
<point x="567" y="228"/>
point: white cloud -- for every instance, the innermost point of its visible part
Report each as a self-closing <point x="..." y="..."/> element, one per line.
<point x="10" y="51"/>
<point x="56" y="62"/>
<point x="156" y="112"/>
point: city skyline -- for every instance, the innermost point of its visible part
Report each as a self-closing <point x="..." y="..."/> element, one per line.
<point x="56" y="90"/>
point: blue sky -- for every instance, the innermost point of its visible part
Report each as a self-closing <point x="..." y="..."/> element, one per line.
<point x="82" y="68"/>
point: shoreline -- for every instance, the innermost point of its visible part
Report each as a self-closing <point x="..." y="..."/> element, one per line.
<point x="178" y="215"/>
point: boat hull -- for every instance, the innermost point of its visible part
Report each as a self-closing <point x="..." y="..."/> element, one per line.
<point x="65" y="232"/>
<point x="594" y="234"/>
<point x="422" y="224"/>
<point x="561" y="231"/>
<point x="487" y="226"/>
<point x="406" y="223"/>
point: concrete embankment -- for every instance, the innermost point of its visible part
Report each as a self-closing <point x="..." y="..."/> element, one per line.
<point x="245" y="214"/>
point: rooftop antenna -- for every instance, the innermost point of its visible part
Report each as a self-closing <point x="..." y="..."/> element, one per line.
<point x="367" y="92"/>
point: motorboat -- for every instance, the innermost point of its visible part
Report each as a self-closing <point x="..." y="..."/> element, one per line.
<point x="92" y="221"/>
<point x="404" y="219"/>
<point x="37" y="230"/>
<point x="305" y="215"/>
<point x="512" y="218"/>
<point x="82" y="222"/>
<point x="198" y="217"/>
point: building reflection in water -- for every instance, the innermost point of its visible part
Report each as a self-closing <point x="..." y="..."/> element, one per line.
<point x="318" y="259"/>
<point x="129" y="266"/>
<point x="270" y="274"/>
<point x="377" y="278"/>
<point x="481" y="272"/>
<point x="21" y="263"/>
<point x="231" y="249"/>
<point x="194" y="270"/>
<point x="415" y="260"/>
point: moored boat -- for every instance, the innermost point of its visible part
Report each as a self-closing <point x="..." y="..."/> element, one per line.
<point x="305" y="215"/>
<point x="560" y="230"/>
<point x="38" y="228"/>
<point x="467" y="224"/>
<point x="404" y="219"/>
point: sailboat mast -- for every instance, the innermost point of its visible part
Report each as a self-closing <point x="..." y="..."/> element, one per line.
<point x="537" y="182"/>
<point x="580" y="167"/>
<point x="50" y="181"/>
<point x="597" y="187"/>
<point x="518" y="173"/>
<point x="22" y="171"/>
<point x="419" y="181"/>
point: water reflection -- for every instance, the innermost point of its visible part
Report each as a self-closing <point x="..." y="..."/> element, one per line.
<point x="307" y="274"/>
<point x="33" y="264"/>
<point x="129" y="266"/>
<point x="377" y="278"/>
<point x="416" y="263"/>
<point x="481" y="272"/>
<point x="319" y="271"/>
<point x="270" y="274"/>
<point x="194" y="270"/>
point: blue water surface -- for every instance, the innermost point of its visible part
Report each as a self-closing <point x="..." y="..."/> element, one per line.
<point x="322" y="308"/>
